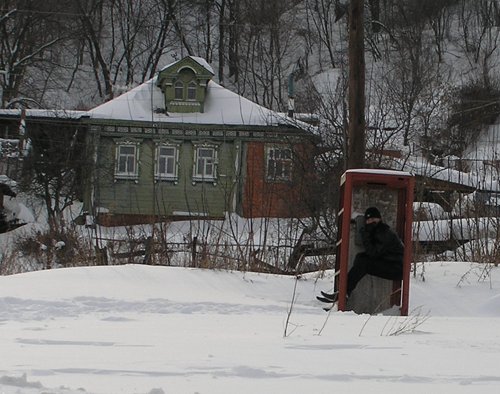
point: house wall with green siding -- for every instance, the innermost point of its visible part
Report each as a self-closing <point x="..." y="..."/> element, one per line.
<point x="146" y="196"/>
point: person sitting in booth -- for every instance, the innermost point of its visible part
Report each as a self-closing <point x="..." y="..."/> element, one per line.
<point x="382" y="257"/>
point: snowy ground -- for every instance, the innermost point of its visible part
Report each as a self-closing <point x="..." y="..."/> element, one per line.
<point x="156" y="330"/>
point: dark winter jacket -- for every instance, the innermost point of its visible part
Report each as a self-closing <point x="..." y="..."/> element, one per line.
<point x="381" y="242"/>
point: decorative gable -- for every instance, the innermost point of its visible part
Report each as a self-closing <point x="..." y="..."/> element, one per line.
<point x="184" y="84"/>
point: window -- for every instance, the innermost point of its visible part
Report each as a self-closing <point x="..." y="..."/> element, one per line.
<point x="205" y="163"/>
<point x="279" y="164"/>
<point x="166" y="162"/>
<point x="179" y="90"/>
<point x="191" y="91"/>
<point x="182" y="93"/>
<point x="127" y="161"/>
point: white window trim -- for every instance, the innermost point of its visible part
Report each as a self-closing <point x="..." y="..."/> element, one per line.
<point x="201" y="177"/>
<point x="127" y="175"/>
<point x="167" y="177"/>
<point x="270" y="177"/>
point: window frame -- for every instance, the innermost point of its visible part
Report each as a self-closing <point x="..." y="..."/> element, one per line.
<point x="119" y="145"/>
<point x="281" y="163"/>
<point x="191" y="87"/>
<point x="179" y="88"/>
<point x="202" y="177"/>
<point x="174" y="176"/>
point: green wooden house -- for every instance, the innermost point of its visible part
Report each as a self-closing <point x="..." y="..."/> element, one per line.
<point x="181" y="145"/>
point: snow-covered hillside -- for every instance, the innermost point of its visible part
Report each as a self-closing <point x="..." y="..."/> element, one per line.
<point x="155" y="330"/>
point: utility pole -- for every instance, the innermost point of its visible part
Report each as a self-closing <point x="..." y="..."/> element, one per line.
<point x="356" y="133"/>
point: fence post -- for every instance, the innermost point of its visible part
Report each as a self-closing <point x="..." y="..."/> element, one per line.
<point x="193" y="252"/>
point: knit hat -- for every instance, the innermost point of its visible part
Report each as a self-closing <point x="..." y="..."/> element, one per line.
<point x="372" y="212"/>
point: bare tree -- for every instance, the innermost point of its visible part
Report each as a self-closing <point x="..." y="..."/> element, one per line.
<point x="158" y="36"/>
<point x="411" y="67"/>
<point x="29" y="33"/>
<point x="52" y="173"/>
<point x="478" y="23"/>
<point x="439" y="21"/>
<point x="94" y="23"/>
<point x="131" y="21"/>
<point x="327" y="16"/>
<point x="266" y="41"/>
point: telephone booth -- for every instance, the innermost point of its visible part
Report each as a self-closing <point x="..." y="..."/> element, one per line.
<point x="392" y="193"/>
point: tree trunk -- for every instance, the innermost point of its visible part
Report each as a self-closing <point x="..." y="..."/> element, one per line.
<point x="222" y="34"/>
<point x="234" y="17"/>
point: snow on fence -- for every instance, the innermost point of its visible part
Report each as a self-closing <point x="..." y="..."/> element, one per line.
<point x="456" y="229"/>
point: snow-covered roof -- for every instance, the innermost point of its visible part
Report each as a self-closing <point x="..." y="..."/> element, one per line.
<point x="423" y="168"/>
<point x="222" y="106"/>
<point x="146" y="103"/>
<point x="44" y="113"/>
<point x="8" y="186"/>
<point x="379" y="171"/>
<point x="4" y="179"/>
